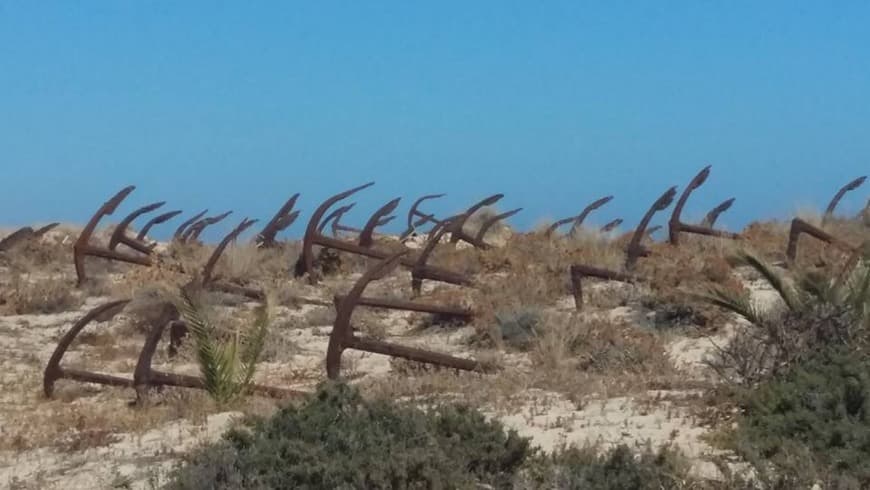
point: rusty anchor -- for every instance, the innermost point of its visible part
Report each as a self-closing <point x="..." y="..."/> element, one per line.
<point x="379" y="218"/>
<point x="832" y="206"/>
<point x="313" y="236"/>
<point x="333" y="220"/>
<point x="24" y="234"/>
<point x="457" y="224"/>
<point x="580" y="218"/>
<point x="800" y="227"/>
<point x="182" y="228"/>
<point x="342" y="336"/>
<point x="83" y="248"/>
<point x="422" y="218"/>
<point x="711" y="217"/>
<point x="675" y="226"/>
<point x="159" y="219"/>
<point x="633" y="252"/>
<point x="119" y="235"/>
<point x="280" y="222"/>
<point x="144" y="376"/>
<point x="611" y="225"/>
<point x="196" y="229"/>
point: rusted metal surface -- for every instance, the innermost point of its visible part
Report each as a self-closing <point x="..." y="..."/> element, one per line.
<point x="196" y="229"/>
<point x="342" y="336"/>
<point x="675" y="226"/>
<point x="463" y="314"/>
<point x="633" y="252"/>
<point x="212" y="283"/>
<point x="25" y="234"/>
<point x="144" y="376"/>
<point x="338" y="227"/>
<point x="422" y="218"/>
<point x="313" y="233"/>
<point x="83" y="248"/>
<point x="55" y="371"/>
<point x="635" y="249"/>
<point x="313" y="237"/>
<point x="580" y="218"/>
<point x="490" y="222"/>
<point x="578" y="272"/>
<point x="611" y="226"/>
<point x="182" y="228"/>
<point x="832" y="206"/>
<point x="280" y="222"/>
<point x="208" y="270"/>
<point x="119" y="235"/>
<point x="711" y="217"/>
<point x="157" y="220"/>
<point x="800" y="227"/>
<point x="457" y="225"/>
<point x="333" y="220"/>
<point x="378" y="218"/>
<point x="418" y="270"/>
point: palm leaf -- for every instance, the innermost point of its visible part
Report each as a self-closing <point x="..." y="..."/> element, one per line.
<point x="858" y="296"/>
<point x="253" y="347"/>
<point x="739" y="303"/>
<point x="788" y="294"/>
<point x="818" y="287"/>
<point x="207" y="351"/>
<point x="216" y="360"/>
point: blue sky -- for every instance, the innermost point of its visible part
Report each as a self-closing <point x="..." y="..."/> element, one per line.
<point x="238" y="105"/>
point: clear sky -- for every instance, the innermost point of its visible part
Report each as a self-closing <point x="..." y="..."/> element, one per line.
<point x="238" y="105"/>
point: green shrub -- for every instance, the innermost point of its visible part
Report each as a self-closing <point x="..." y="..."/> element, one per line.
<point x="336" y="439"/>
<point x="518" y="328"/>
<point x="227" y="360"/>
<point x="617" y="469"/>
<point x="821" y="311"/>
<point x="812" y="422"/>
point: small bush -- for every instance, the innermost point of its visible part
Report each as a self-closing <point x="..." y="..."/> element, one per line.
<point x="821" y="311"/>
<point x="42" y="296"/>
<point x="669" y="313"/>
<point x="620" y="468"/>
<point x="516" y="328"/>
<point x="227" y="360"/>
<point x="336" y="439"/>
<point x="812" y="422"/>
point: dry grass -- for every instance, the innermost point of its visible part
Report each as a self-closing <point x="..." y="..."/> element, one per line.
<point x="82" y="417"/>
<point x="581" y="356"/>
<point x="43" y="294"/>
<point x="107" y="346"/>
<point x="245" y="263"/>
<point x="770" y="238"/>
<point x="38" y="256"/>
<point x="673" y="273"/>
<point x="319" y="316"/>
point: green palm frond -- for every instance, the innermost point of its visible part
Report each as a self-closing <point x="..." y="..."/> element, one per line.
<point x="789" y="295"/>
<point x="208" y="353"/>
<point x="255" y="343"/>
<point x="857" y="294"/>
<point x="739" y="303"/>
<point x="817" y="286"/>
<point x="227" y="365"/>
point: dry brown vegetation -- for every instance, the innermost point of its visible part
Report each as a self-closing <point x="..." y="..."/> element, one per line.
<point x="525" y="326"/>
